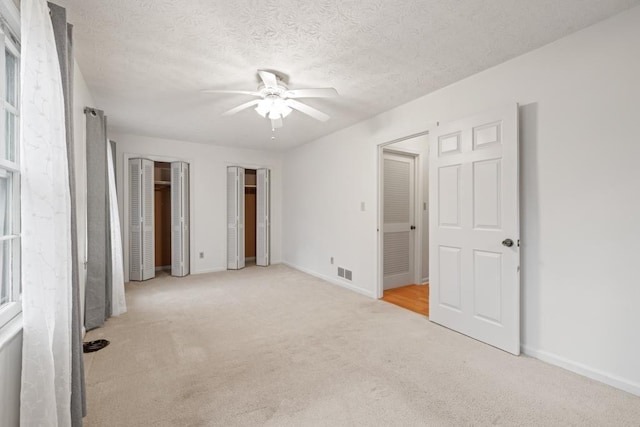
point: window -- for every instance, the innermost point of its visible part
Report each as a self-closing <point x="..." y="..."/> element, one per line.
<point x="10" y="289"/>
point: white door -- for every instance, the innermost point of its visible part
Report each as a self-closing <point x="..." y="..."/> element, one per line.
<point x="398" y="225"/>
<point x="179" y="219"/>
<point x="235" y="218"/>
<point x="474" y="228"/>
<point x="141" y="217"/>
<point x="262" y="217"/>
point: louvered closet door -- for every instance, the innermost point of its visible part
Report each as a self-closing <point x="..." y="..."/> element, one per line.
<point x="148" y="235"/>
<point x="235" y="218"/>
<point x="263" y="190"/>
<point x="179" y="219"/>
<point x="135" y="219"/>
<point x="141" y="220"/>
<point x="398" y="220"/>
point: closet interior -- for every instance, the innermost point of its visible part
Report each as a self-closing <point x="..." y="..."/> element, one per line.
<point x="162" y="215"/>
<point x="250" y="216"/>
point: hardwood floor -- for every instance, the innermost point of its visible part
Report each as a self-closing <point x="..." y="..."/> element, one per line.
<point x="411" y="297"/>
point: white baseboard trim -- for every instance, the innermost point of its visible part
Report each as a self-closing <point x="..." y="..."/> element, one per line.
<point x="331" y="280"/>
<point x="579" y="368"/>
<point x="425" y="280"/>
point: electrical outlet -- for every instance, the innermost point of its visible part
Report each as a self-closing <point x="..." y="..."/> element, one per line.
<point x="201" y="255"/>
<point x="362" y="206"/>
<point x="331" y="260"/>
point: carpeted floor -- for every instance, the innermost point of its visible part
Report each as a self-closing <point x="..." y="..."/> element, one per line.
<point x="273" y="346"/>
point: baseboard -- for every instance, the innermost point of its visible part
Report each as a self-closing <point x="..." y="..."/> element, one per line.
<point x="331" y="280"/>
<point x="425" y="280"/>
<point x="579" y="368"/>
<point x="163" y="267"/>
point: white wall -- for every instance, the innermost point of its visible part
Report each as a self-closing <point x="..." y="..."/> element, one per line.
<point x="208" y="180"/>
<point x="580" y="149"/>
<point x="81" y="98"/>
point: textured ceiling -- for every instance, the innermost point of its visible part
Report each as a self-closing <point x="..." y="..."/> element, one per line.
<point x="146" y="61"/>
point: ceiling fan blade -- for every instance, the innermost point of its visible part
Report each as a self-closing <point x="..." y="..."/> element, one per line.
<point x="304" y="108"/>
<point x="325" y="92"/>
<point x="269" y="79"/>
<point x="241" y="107"/>
<point x="276" y="123"/>
<point x="243" y="92"/>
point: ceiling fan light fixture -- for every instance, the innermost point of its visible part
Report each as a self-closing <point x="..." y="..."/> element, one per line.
<point x="273" y="107"/>
<point x="264" y="107"/>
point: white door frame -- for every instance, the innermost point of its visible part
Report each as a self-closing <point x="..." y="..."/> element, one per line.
<point x="245" y="166"/>
<point x="125" y="201"/>
<point x="417" y="264"/>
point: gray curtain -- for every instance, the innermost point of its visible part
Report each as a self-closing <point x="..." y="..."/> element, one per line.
<point x="98" y="285"/>
<point x="63" y="33"/>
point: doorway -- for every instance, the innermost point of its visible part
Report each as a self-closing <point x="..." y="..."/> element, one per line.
<point x="403" y="223"/>
<point x="250" y="225"/>
<point x="158" y="218"/>
<point x="162" y="215"/>
<point x="248" y="217"/>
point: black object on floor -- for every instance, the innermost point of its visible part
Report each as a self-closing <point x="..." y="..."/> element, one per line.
<point x="91" y="346"/>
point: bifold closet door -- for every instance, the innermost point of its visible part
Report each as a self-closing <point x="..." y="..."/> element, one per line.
<point x="141" y="238"/>
<point x="179" y="219"/>
<point x="263" y="217"/>
<point x="235" y="218"/>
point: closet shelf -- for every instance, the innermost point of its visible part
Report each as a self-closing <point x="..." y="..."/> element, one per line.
<point x="162" y="182"/>
<point x="250" y="185"/>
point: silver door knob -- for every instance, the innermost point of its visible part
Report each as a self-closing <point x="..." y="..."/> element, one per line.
<point x="507" y="242"/>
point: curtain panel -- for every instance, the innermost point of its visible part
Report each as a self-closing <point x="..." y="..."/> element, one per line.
<point x="63" y="33"/>
<point x="46" y="224"/>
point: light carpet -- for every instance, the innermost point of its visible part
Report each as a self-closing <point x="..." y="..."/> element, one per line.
<point x="273" y="346"/>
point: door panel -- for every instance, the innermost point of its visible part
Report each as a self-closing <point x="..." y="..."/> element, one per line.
<point x="141" y="220"/>
<point x="398" y="217"/>
<point x="179" y="219"/>
<point x="473" y="186"/>
<point x="486" y="195"/>
<point x="449" y="278"/>
<point x="449" y="196"/>
<point x="263" y="190"/>
<point x="235" y="218"/>
<point x="148" y="214"/>
<point x="240" y="210"/>
<point x="135" y="223"/>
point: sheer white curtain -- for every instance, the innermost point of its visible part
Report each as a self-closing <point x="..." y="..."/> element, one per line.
<point x="46" y="217"/>
<point x="118" y="303"/>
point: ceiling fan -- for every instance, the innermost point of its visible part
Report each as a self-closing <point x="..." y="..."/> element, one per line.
<point x="276" y="101"/>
